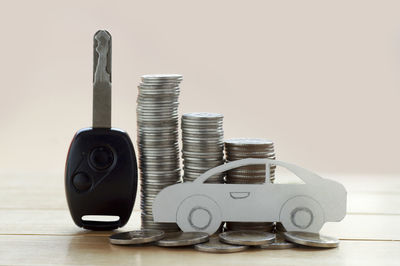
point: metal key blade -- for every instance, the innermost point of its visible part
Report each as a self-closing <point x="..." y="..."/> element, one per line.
<point x="102" y="79"/>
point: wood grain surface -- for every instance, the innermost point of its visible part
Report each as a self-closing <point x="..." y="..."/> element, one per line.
<point x="36" y="229"/>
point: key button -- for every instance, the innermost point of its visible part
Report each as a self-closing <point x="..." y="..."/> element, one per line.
<point x="82" y="182"/>
<point x="101" y="158"/>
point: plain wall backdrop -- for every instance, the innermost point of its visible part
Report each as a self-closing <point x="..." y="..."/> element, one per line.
<point x="319" y="78"/>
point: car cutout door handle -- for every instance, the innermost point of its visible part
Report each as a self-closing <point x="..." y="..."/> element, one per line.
<point x="239" y="195"/>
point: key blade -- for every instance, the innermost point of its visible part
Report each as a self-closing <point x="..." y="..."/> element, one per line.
<point x="102" y="79"/>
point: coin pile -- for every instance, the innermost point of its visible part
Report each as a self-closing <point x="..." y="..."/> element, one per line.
<point x="203" y="145"/>
<point x="236" y="149"/>
<point x="227" y="242"/>
<point x="157" y="134"/>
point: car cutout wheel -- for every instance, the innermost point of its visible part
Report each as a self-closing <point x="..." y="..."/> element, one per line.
<point x="199" y="213"/>
<point x="302" y="213"/>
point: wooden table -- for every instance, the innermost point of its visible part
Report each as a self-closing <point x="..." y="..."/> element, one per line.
<point x="36" y="228"/>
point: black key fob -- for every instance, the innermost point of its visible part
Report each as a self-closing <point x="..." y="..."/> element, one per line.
<point x="101" y="177"/>
<point x="101" y="169"/>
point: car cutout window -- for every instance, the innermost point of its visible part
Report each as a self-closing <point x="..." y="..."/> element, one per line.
<point x="303" y="174"/>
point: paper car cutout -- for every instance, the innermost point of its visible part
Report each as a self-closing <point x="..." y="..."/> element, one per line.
<point x="199" y="206"/>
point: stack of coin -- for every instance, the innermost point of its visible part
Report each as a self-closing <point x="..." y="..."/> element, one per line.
<point x="203" y="145"/>
<point x="236" y="149"/>
<point x="157" y="134"/>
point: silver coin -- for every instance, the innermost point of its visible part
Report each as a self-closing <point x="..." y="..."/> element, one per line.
<point x="136" y="237"/>
<point x="161" y="83"/>
<point x="205" y="160"/>
<point x="162" y="128"/>
<point x="250" y="148"/>
<point x="248" y="238"/>
<point x="201" y="148"/>
<point x="199" y="155"/>
<point x="311" y="239"/>
<point x="155" y="107"/>
<point x="207" y="126"/>
<point x="248" y="153"/>
<point x="161" y="80"/>
<point x="162" y="116"/>
<point x="162" y="76"/>
<point x="215" y="246"/>
<point x="160" y="181"/>
<point x="196" y="174"/>
<point x="279" y="243"/>
<point x="248" y="172"/>
<point x="205" y="129"/>
<point x="202" y="115"/>
<point x="248" y="141"/>
<point x="157" y="144"/>
<point x="158" y="118"/>
<point x="160" y="88"/>
<point x="166" y="181"/>
<point x="159" y="174"/>
<point x="166" y="102"/>
<point x="158" y="98"/>
<point x="194" y="126"/>
<point x="158" y="92"/>
<point x="179" y="239"/>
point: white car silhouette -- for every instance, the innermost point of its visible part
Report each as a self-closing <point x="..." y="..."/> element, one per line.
<point x="199" y="206"/>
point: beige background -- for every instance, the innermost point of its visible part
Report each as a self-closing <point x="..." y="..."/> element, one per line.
<point x="320" y="78"/>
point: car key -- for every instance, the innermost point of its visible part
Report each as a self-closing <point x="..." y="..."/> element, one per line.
<point x="101" y="169"/>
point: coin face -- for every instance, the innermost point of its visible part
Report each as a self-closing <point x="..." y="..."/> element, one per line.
<point x="311" y="239"/>
<point x="202" y="115"/>
<point x="178" y="239"/>
<point x="162" y="76"/>
<point x="248" y="238"/>
<point x="215" y="246"/>
<point x="279" y="243"/>
<point x="248" y="141"/>
<point x="136" y="237"/>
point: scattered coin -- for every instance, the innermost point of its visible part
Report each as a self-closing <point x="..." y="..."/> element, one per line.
<point x="248" y="238"/>
<point x="215" y="246"/>
<point x="136" y="237"/>
<point x="279" y="243"/>
<point x="178" y="239"/>
<point x="311" y="239"/>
